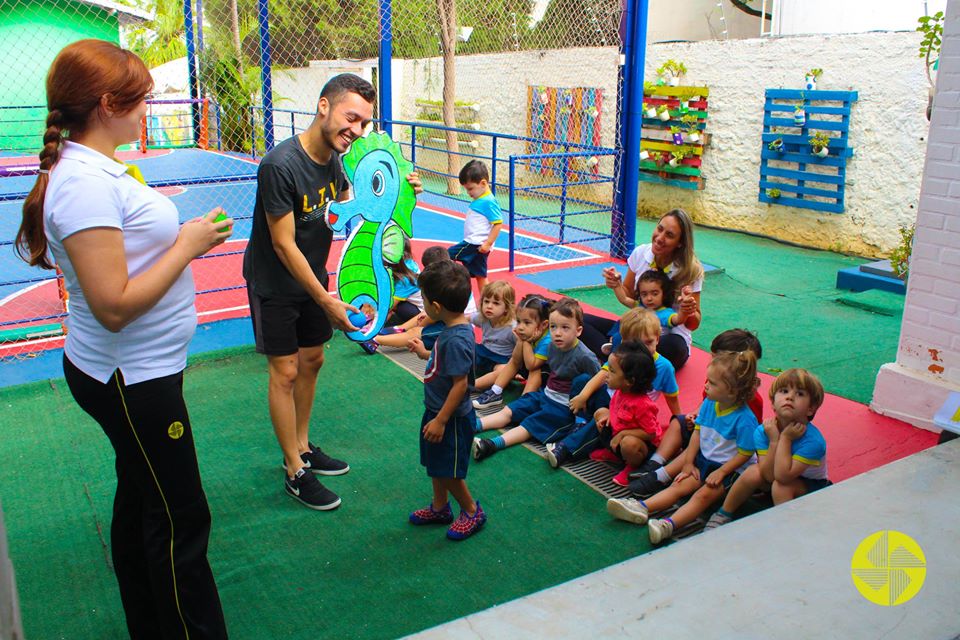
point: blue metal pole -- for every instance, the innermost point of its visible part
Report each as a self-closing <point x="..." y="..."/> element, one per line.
<point x="631" y="114"/>
<point x="385" y="9"/>
<point x="513" y="174"/>
<point x="266" y="62"/>
<point x="199" y="25"/>
<point x="493" y="167"/>
<point x="563" y="195"/>
<point x="192" y="66"/>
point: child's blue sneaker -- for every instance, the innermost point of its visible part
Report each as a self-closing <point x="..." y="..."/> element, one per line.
<point x="428" y="515"/>
<point x="465" y="526"/>
<point x="369" y="346"/>
<point x="488" y="398"/>
<point x="557" y="454"/>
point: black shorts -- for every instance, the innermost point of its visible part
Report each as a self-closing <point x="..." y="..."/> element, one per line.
<point x="282" y="327"/>
<point x="469" y="255"/>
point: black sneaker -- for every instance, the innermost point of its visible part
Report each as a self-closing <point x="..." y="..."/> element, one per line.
<point x="646" y="485"/>
<point x="320" y="463"/>
<point x="483" y="448"/>
<point x="317" y="461"/>
<point x="647" y="467"/>
<point x="557" y="454"/>
<point x="308" y="490"/>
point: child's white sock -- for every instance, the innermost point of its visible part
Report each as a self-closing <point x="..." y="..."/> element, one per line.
<point x="656" y="457"/>
<point x="663" y="476"/>
<point x="497" y="389"/>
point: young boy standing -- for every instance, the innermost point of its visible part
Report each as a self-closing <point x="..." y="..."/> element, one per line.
<point x="480" y="229"/>
<point x="446" y="431"/>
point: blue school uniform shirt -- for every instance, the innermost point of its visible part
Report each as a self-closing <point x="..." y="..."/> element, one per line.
<point x="665" y="380"/>
<point x="810" y="449"/>
<point x="727" y="433"/>
<point x="451" y="356"/>
<point x="663" y="315"/>
<point x="407" y="289"/>
<point x="484" y="212"/>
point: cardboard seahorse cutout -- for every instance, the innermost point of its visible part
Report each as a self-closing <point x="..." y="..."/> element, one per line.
<point x="383" y="203"/>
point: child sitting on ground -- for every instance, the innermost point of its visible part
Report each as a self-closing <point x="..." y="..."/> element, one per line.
<point x="628" y="430"/>
<point x="529" y="353"/>
<point x="496" y="320"/>
<point x="655" y="291"/>
<point x="791" y="451"/>
<point x="652" y="476"/>
<point x="407" y="301"/>
<point x="482" y="225"/>
<point x="448" y="417"/>
<point x="545" y="415"/>
<point x="721" y="446"/>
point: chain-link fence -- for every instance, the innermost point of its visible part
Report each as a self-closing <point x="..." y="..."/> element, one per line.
<point x="532" y="88"/>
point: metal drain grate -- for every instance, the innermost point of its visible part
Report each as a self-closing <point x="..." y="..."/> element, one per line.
<point x="596" y="475"/>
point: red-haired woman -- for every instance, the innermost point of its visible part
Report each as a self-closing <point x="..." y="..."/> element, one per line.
<point x="126" y="264"/>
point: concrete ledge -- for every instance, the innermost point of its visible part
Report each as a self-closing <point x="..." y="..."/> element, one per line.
<point x="784" y="572"/>
<point x="909" y="395"/>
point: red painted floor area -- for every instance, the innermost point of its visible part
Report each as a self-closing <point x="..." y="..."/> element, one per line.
<point x="858" y="439"/>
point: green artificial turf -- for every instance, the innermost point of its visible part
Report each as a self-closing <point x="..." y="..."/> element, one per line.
<point x="285" y="571"/>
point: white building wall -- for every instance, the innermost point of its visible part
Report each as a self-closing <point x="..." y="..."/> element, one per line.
<point x="796" y="17"/>
<point x="888" y="126"/>
<point x="928" y="356"/>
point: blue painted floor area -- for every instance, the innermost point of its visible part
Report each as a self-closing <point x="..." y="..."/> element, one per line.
<point x="583" y="277"/>
<point x="180" y="164"/>
<point x="43" y="365"/>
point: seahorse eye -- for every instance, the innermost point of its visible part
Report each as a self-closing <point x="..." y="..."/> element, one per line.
<point x="377" y="183"/>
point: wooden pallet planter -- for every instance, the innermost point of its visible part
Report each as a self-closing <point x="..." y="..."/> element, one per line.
<point x="804" y="179"/>
<point x="657" y="140"/>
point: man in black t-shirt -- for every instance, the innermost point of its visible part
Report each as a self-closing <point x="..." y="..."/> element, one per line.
<point x="285" y="266"/>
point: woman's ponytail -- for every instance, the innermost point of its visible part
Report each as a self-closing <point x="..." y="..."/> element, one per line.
<point x="31" y="241"/>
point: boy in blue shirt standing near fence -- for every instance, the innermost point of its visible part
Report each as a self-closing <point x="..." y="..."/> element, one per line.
<point x="446" y="431"/>
<point x="480" y="229"/>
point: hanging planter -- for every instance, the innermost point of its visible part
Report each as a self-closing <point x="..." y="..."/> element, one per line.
<point x="672" y="71"/>
<point x="776" y="145"/>
<point x="819" y="144"/>
<point x="811" y="79"/>
<point x="677" y="157"/>
<point x="799" y="115"/>
<point x="690" y="123"/>
<point x="644" y="155"/>
<point x="663" y="112"/>
<point x="649" y="110"/>
<point x="677" y="135"/>
<point x="773" y="193"/>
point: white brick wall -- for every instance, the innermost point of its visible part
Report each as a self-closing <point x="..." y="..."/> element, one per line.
<point x="928" y="358"/>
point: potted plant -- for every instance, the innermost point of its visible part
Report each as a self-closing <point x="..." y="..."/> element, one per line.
<point x="644" y="155"/>
<point x="799" y="115"/>
<point x="819" y="143"/>
<point x="900" y="257"/>
<point x="691" y="122"/>
<point x="663" y="111"/>
<point x="677" y="157"/>
<point x="672" y="71"/>
<point x="776" y="145"/>
<point x="677" y="135"/>
<point x="649" y="110"/>
<point x="812" y="76"/>
<point x="773" y="193"/>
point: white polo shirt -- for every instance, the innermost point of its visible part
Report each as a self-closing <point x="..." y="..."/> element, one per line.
<point x="642" y="259"/>
<point x="89" y="190"/>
